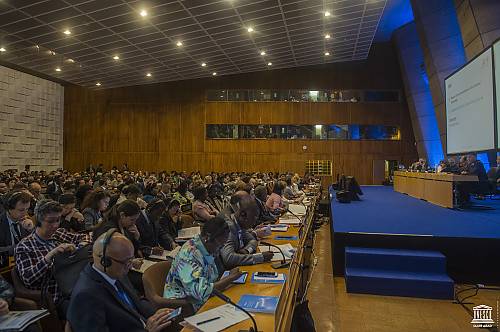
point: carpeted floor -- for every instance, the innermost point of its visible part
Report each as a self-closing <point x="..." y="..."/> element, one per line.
<point x="382" y="210"/>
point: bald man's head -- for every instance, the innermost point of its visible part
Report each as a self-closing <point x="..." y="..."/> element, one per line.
<point x="120" y="251"/>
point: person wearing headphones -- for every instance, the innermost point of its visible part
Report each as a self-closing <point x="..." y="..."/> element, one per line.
<point x="14" y="222"/>
<point x="194" y="272"/>
<point x="103" y="298"/>
<point x="35" y="253"/>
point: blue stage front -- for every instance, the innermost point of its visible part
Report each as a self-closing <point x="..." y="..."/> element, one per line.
<point x="383" y="218"/>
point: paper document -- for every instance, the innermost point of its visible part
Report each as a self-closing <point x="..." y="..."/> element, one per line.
<point x="279" y="228"/>
<point x="298" y="209"/>
<point x="287" y="248"/>
<point x="19" y="320"/>
<point x="146" y="264"/>
<point x="188" y="233"/>
<point x="166" y="254"/>
<point x="224" y="316"/>
<point x="289" y="221"/>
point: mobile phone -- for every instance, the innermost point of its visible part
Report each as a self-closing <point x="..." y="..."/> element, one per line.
<point x="267" y="274"/>
<point x="174" y="313"/>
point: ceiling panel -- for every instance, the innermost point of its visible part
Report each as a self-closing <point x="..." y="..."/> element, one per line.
<point x="291" y="32"/>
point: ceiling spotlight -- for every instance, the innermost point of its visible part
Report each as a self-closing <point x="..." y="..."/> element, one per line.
<point x="327" y="53"/>
<point x="327" y="13"/>
<point x="37" y="47"/>
<point x="52" y="53"/>
<point x="250" y="29"/>
<point x="327" y="36"/>
<point x="67" y="32"/>
<point x="2" y="49"/>
<point x="269" y="63"/>
<point x="98" y="84"/>
<point x="179" y="43"/>
<point x="263" y="53"/>
<point x="143" y="13"/>
<point x="58" y="69"/>
<point x="116" y="57"/>
<point x="148" y="74"/>
<point x="71" y="61"/>
<point x="203" y="64"/>
<point x="214" y="74"/>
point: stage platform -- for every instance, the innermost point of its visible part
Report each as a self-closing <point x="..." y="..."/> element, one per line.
<point x="470" y="240"/>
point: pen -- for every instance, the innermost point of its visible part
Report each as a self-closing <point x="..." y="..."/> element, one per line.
<point x="207" y="321"/>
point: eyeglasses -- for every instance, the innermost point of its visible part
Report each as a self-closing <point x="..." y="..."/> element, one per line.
<point x="127" y="262"/>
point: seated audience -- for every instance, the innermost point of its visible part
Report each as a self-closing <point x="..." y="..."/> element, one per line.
<point x="170" y="224"/>
<point x="122" y="217"/>
<point x="134" y="193"/>
<point x="261" y="198"/>
<point x="182" y="195"/>
<point x="194" y="273"/>
<point x="35" y="253"/>
<point x="14" y="221"/>
<point x="164" y="192"/>
<point x="81" y="194"/>
<point x="275" y="202"/>
<point x="104" y="300"/>
<point x="241" y="245"/>
<point x="149" y="227"/>
<point x="201" y="210"/>
<point x="71" y="219"/>
<point x="93" y="208"/>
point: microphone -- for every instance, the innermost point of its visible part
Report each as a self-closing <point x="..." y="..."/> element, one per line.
<point x="283" y="263"/>
<point x="226" y="299"/>
<point x="293" y="214"/>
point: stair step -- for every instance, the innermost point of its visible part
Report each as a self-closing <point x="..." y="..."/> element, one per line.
<point x="395" y="259"/>
<point x="397" y="283"/>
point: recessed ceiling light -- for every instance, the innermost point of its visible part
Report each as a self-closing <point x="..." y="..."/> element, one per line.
<point x="250" y="29"/>
<point x="327" y="13"/>
<point x="116" y="57"/>
<point x="67" y="32"/>
<point x="148" y="74"/>
<point x="269" y="63"/>
<point x="143" y="13"/>
<point x="2" y="49"/>
<point x="203" y="64"/>
<point x="263" y="53"/>
<point x="179" y="43"/>
<point x="58" y="69"/>
<point x="71" y="61"/>
<point x="327" y="36"/>
<point x="327" y="53"/>
<point x="214" y="73"/>
<point x="98" y="84"/>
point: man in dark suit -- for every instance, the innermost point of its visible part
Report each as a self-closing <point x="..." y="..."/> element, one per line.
<point x="104" y="300"/>
<point x="14" y="225"/>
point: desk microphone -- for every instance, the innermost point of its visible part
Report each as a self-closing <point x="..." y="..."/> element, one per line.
<point x="226" y="299"/>
<point x="293" y="214"/>
<point x="283" y="262"/>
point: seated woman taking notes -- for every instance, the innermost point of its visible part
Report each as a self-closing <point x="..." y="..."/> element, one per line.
<point x="194" y="274"/>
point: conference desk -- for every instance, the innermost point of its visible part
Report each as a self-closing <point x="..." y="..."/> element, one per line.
<point x="436" y="188"/>
<point x="296" y="276"/>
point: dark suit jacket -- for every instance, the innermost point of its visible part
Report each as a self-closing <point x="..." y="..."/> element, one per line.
<point x="148" y="230"/>
<point x="96" y="307"/>
<point x="477" y="168"/>
<point x="5" y="237"/>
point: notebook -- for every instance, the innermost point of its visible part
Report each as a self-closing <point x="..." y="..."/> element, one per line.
<point x="257" y="303"/>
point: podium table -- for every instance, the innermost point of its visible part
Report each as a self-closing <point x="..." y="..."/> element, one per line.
<point x="435" y="188"/>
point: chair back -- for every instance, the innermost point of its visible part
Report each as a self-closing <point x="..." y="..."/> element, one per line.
<point x="22" y="291"/>
<point x="154" y="280"/>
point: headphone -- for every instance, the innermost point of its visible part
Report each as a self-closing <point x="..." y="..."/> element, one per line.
<point x="40" y="209"/>
<point x="12" y="199"/>
<point x="106" y="261"/>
